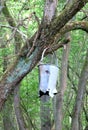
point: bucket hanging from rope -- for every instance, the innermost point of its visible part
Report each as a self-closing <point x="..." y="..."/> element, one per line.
<point x="48" y="76"/>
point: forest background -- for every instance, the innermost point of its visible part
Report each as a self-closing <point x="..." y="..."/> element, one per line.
<point x="27" y="27"/>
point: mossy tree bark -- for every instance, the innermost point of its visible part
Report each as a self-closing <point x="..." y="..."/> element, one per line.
<point x="7" y="112"/>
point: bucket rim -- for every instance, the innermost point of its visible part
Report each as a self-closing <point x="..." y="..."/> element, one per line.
<point x="47" y="64"/>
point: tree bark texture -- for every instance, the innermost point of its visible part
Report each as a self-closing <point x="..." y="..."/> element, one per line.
<point x="23" y="64"/>
<point x="18" y="112"/>
<point x="7" y="112"/>
<point x="9" y="122"/>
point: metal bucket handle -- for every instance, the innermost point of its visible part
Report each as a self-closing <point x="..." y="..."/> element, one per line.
<point x="43" y="53"/>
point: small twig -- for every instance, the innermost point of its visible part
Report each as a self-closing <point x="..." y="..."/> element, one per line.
<point x="15" y="29"/>
<point x="36" y="18"/>
<point x="36" y="36"/>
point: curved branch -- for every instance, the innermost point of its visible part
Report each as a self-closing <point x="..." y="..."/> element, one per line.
<point x="75" y="25"/>
<point x="83" y="25"/>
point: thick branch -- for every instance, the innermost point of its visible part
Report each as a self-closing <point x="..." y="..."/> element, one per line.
<point x="83" y="25"/>
<point x="16" y="73"/>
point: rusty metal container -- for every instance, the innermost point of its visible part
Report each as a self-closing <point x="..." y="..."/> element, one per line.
<point x="48" y="76"/>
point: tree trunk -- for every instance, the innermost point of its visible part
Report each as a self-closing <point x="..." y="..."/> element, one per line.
<point x="59" y="96"/>
<point x="18" y="111"/>
<point x="9" y="121"/>
<point x="8" y="118"/>
<point x="80" y="95"/>
<point x="63" y="82"/>
<point x="49" y="13"/>
<point x="45" y="113"/>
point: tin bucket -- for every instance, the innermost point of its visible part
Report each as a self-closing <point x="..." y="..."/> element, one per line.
<point x="48" y="76"/>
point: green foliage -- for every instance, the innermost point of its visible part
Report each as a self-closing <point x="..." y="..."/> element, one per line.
<point x="29" y="96"/>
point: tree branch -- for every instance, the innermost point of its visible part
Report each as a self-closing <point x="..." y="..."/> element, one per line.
<point x="83" y="25"/>
<point x="56" y="46"/>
